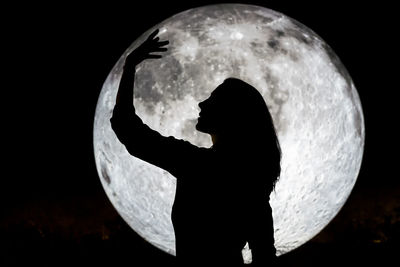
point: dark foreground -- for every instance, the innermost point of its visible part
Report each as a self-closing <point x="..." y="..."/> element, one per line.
<point x="87" y="231"/>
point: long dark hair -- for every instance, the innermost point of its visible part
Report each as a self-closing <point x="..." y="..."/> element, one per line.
<point x="246" y="116"/>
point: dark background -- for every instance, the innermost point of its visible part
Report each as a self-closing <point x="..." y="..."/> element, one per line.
<point x="56" y="57"/>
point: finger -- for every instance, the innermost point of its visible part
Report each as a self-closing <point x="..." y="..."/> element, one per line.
<point x="156" y="39"/>
<point x="159" y="49"/>
<point x="153" y="34"/>
<point x="153" y="56"/>
<point x="163" y="43"/>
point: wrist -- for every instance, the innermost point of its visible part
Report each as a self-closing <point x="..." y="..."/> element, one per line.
<point x="132" y="59"/>
<point x="129" y="66"/>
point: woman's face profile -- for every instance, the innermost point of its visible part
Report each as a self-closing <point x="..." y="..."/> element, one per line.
<point x="219" y="111"/>
<point x="209" y="113"/>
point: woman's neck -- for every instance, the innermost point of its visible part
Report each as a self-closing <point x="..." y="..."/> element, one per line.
<point x="227" y="142"/>
<point x="214" y="139"/>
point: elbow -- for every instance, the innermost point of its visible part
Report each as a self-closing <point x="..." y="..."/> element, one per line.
<point x="120" y="131"/>
<point x="123" y="125"/>
<point x="117" y="119"/>
<point x="114" y="122"/>
<point x="117" y="126"/>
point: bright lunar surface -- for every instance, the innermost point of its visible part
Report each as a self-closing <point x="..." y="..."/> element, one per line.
<point x="312" y="99"/>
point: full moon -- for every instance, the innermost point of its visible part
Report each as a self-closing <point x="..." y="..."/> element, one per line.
<point x="314" y="104"/>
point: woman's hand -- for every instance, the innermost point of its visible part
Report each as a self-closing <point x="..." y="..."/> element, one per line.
<point x="146" y="50"/>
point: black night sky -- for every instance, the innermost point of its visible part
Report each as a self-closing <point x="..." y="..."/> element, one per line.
<point x="54" y="211"/>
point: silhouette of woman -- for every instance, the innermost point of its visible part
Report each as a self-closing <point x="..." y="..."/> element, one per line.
<point x="221" y="199"/>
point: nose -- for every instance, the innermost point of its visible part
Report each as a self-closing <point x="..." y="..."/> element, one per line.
<point x="202" y="104"/>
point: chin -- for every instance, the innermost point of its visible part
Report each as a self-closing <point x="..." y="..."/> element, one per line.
<point x="205" y="125"/>
<point x="200" y="127"/>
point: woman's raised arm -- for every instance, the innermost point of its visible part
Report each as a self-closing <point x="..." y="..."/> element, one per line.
<point x="139" y="139"/>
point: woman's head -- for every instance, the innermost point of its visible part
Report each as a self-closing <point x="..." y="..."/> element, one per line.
<point x="237" y="112"/>
<point x="234" y="106"/>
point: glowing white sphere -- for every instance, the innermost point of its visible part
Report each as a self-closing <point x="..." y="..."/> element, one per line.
<point x="314" y="104"/>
